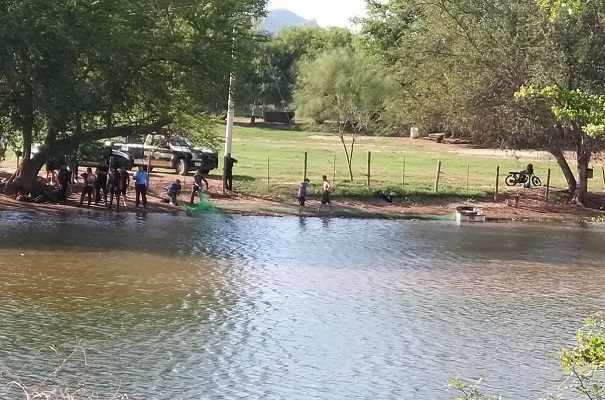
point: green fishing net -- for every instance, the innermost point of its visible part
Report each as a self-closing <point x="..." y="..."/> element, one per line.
<point x="203" y="207"/>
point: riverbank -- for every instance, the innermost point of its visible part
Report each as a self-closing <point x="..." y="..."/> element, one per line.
<point x="531" y="206"/>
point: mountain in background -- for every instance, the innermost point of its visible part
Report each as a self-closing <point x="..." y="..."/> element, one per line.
<point x="278" y="20"/>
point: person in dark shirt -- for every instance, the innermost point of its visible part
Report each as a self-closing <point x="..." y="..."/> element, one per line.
<point x="528" y="172"/>
<point x="101" y="184"/>
<point x="114" y="188"/>
<point x="302" y="193"/>
<point x="173" y="191"/>
<point x="229" y="162"/>
<point x="124" y="183"/>
<point x="63" y="177"/>
<point x="198" y="181"/>
<point x="51" y="174"/>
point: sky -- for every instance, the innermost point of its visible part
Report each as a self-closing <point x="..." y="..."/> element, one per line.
<point x="326" y="12"/>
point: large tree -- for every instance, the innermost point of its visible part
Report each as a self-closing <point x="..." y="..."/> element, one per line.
<point x="460" y="63"/>
<point x="72" y="71"/>
<point x="347" y="87"/>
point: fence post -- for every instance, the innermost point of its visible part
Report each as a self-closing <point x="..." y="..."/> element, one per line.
<point x="268" y="177"/>
<point x="603" y="169"/>
<point x="305" y="167"/>
<point x="403" y="174"/>
<point x="547" y="185"/>
<point x="497" y="183"/>
<point x="438" y="174"/>
<point x="369" y="167"/>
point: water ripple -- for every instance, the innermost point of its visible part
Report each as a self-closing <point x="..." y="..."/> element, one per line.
<point x="289" y="308"/>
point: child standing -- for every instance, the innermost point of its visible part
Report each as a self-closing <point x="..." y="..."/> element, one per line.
<point x="325" y="197"/>
<point x="302" y="194"/>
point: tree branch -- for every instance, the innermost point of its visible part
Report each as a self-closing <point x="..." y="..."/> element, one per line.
<point x="122" y="130"/>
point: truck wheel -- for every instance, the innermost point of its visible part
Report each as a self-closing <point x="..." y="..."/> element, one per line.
<point x="182" y="167"/>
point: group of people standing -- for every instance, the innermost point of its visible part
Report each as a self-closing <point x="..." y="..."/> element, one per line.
<point x="113" y="182"/>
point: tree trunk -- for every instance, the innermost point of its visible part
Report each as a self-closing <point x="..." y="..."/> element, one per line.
<point x="581" y="191"/>
<point x="26" y="176"/>
<point x="28" y="123"/>
<point x="347" y="155"/>
<point x="565" y="168"/>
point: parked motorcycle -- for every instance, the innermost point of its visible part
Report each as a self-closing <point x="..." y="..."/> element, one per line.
<point x="520" y="177"/>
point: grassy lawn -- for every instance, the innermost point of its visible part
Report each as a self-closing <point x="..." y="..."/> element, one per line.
<point x="284" y="151"/>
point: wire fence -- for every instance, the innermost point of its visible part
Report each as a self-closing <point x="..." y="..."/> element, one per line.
<point x="398" y="172"/>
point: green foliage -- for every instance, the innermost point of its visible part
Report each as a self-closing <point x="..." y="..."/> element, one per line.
<point x="199" y="129"/>
<point x="271" y="77"/>
<point x="460" y="63"/>
<point x="347" y="87"/>
<point x="468" y="391"/>
<point x="71" y="66"/>
<point x="584" y="364"/>
<point x="554" y="7"/>
<point x="575" y="106"/>
<point x="344" y="86"/>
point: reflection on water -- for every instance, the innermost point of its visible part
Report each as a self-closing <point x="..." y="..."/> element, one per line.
<point x="295" y="308"/>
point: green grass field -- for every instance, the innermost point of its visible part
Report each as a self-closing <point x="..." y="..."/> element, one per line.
<point x="271" y="163"/>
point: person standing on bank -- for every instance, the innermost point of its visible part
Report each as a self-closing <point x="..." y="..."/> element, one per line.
<point x="302" y="194"/>
<point x="198" y="180"/>
<point x="89" y="186"/>
<point x="124" y="182"/>
<point x="325" y="197"/>
<point x="141" y="182"/>
<point x="63" y="177"/>
<point x="101" y="184"/>
<point x="229" y="162"/>
<point x="114" y="187"/>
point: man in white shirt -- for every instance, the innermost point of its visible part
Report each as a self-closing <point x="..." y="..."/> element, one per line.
<point x="325" y="197"/>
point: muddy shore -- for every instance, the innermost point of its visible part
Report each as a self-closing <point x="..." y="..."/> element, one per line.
<point x="531" y="207"/>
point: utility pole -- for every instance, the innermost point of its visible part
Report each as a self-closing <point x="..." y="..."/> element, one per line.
<point x="229" y="130"/>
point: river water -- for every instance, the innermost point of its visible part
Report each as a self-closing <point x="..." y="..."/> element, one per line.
<point x="285" y="308"/>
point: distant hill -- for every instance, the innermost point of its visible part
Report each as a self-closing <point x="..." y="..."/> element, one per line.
<point x="278" y="20"/>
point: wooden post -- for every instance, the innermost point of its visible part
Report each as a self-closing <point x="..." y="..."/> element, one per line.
<point x="497" y="183"/>
<point x="369" y="167"/>
<point x="268" y="177"/>
<point x="403" y="174"/>
<point x="547" y="185"/>
<point x="468" y="173"/>
<point x="305" y="167"/>
<point x="437" y="175"/>
<point x="603" y="169"/>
